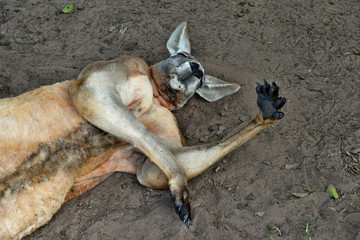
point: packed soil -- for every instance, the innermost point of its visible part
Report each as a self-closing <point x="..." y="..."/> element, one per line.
<point x="310" y="48"/>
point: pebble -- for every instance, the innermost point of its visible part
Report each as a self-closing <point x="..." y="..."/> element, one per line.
<point x="220" y="130"/>
<point x="250" y="197"/>
<point x="222" y="113"/>
<point x="112" y="28"/>
<point x="292" y="166"/>
<point x="239" y="15"/>
<point x="213" y="127"/>
<point x="267" y="163"/>
<point x="244" y="118"/>
<point x="301" y="77"/>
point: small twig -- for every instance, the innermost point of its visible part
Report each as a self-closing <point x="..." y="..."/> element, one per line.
<point x="123" y="30"/>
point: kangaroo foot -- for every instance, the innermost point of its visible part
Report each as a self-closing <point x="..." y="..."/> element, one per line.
<point x="269" y="101"/>
<point x="181" y="200"/>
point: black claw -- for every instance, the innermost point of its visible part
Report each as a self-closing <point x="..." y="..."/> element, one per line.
<point x="186" y="217"/>
<point x="188" y="223"/>
<point x="274" y="91"/>
<point x="271" y="92"/>
<point x="266" y="86"/>
<point x="278" y="115"/>
<point x="280" y="102"/>
<point x="268" y="100"/>
<point x="179" y="207"/>
<point x="258" y="88"/>
<point x="275" y="85"/>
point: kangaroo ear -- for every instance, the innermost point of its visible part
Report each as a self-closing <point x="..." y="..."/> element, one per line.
<point x="214" y="89"/>
<point x="179" y="40"/>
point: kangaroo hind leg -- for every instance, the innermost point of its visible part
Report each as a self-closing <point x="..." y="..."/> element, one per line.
<point x="122" y="159"/>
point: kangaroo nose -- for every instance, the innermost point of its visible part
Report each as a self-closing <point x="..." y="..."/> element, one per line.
<point x="196" y="71"/>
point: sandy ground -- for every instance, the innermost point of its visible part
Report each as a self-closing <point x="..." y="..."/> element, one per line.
<point x="310" y="48"/>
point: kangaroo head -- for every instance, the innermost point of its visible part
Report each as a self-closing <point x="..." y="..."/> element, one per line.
<point x="181" y="75"/>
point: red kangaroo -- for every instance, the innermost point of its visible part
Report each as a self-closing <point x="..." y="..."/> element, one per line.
<point x="58" y="141"/>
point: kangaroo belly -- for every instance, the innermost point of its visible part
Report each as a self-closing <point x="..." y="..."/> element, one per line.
<point x="45" y="145"/>
<point x="32" y="194"/>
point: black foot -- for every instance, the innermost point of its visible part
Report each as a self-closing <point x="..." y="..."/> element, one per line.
<point x="181" y="201"/>
<point x="269" y="101"/>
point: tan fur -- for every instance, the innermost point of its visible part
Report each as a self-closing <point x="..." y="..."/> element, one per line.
<point x="46" y="116"/>
<point x="28" y="120"/>
<point x="62" y="140"/>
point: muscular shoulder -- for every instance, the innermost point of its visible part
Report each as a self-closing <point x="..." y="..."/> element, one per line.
<point x="124" y="80"/>
<point x="129" y="64"/>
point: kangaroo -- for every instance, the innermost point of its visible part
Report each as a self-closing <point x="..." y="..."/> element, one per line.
<point x="59" y="141"/>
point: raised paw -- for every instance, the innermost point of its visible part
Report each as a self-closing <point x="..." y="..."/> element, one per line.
<point x="181" y="200"/>
<point x="269" y="101"/>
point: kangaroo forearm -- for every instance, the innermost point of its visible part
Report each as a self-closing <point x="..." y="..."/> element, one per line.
<point x="255" y="126"/>
<point x="196" y="159"/>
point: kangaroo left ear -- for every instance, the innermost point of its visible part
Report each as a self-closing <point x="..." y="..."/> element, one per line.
<point x="179" y="40"/>
<point x="214" y="89"/>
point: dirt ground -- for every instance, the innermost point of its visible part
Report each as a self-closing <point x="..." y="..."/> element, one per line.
<point x="310" y="48"/>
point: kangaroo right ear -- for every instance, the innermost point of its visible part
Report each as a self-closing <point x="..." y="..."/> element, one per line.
<point x="179" y="40"/>
<point x="214" y="89"/>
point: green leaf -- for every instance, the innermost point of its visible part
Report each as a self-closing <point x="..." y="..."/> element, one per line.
<point x="68" y="9"/>
<point x="332" y="192"/>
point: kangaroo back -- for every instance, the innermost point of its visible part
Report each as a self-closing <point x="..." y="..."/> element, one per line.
<point x="42" y="115"/>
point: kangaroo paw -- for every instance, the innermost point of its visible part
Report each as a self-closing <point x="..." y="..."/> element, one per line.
<point x="181" y="200"/>
<point x="269" y="101"/>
